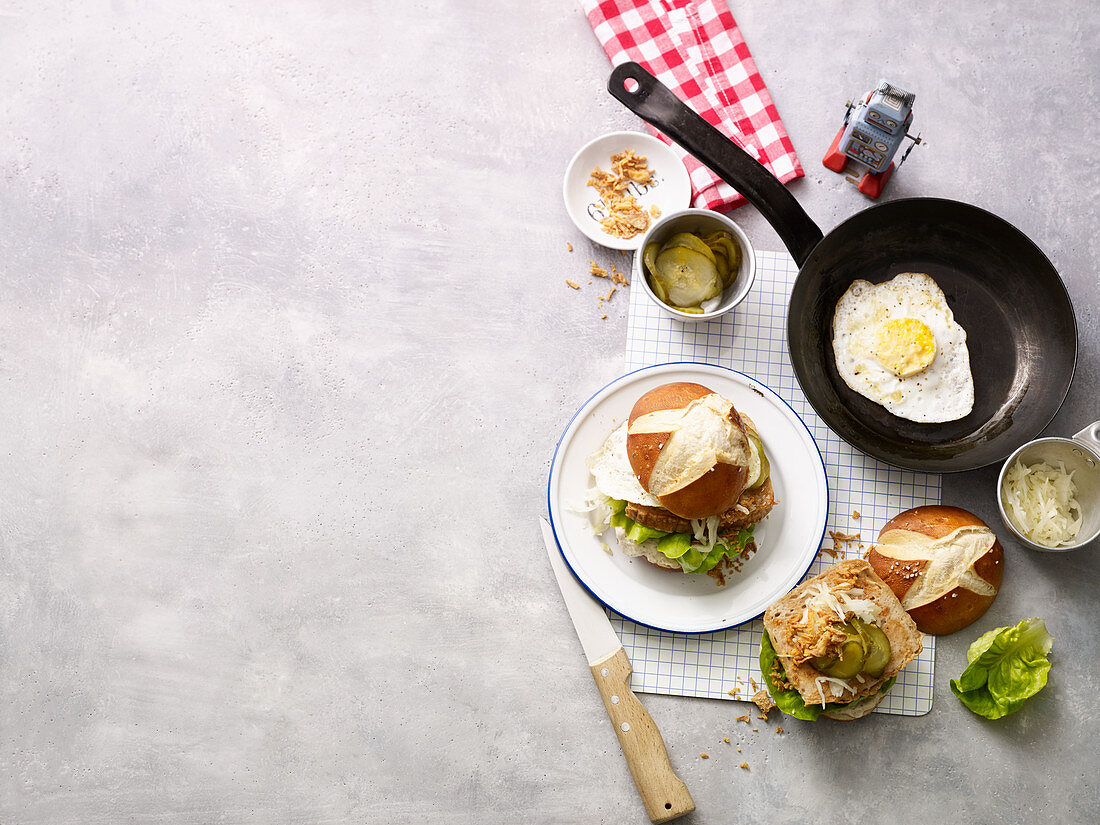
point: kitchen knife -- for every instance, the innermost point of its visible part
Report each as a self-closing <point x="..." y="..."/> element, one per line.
<point x="664" y="795"/>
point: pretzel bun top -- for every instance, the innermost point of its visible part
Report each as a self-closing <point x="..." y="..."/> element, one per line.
<point x="943" y="563"/>
<point x="687" y="446"/>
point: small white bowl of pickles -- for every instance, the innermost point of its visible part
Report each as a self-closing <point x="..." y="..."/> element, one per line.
<point x="695" y="264"/>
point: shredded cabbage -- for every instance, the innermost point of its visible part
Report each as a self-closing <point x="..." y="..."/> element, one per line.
<point x="842" y="604"/>
<point x="596" y="509"/>
<point x="1042" y="502"/>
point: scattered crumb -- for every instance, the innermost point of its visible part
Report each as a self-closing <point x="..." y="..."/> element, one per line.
<point x="739" y="749"/>
<point x="779" y="730"/>
<point x="744" y="765"/>
<point x="625" y="217"/>
<point x="841" y="541"/>
<point x="755" y="730"/>
<point x="753" y="685"/>
<point x="733" y="691"/>
<point x="704" y="756"/>
<point x="615" y="276"/>
<point x="655" y="211"/>
<point x="744" y="718"/>
<point x="569" y="246"/>
<point x="855" y="514"/>
<point x="726" y="739"/>
<point x="764" y="701"/>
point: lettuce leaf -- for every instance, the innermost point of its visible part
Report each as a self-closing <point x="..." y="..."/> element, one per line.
<point x="1006" y="666"/>
<point x="678" y="546"/>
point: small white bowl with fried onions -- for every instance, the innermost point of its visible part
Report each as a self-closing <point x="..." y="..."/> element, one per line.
<point x="1049" y="491"/>
<point x="618" y="184"/>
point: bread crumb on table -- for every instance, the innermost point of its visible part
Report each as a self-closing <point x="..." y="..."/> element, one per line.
<point x="763" y="700"/>
<point x="569" y="246"/>
<point x="573" y="284"/>
<point x="744" y="765"/>
<point x="614" y="275"/>
<point x="841" y="541"/>
<point x="704" y="756"/>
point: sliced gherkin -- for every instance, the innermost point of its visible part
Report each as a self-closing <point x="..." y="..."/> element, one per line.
<point x="688" y="277"/>
<point x="878" y="647"/>
<point x="850" y="658"/>
<point x="763" y="469"/>
<point x="689" y="241"/>
<point x="649" y="257"/>
<point x="658" y="289"/>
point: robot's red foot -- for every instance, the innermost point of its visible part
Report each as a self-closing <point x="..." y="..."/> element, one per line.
<point x="872" y="185"/>
<point x="835" y="159"/>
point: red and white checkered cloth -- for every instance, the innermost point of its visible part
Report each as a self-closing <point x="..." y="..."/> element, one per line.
<point x="695" y="48"/>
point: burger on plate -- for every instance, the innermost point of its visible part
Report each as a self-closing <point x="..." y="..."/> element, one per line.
<point x="683" y="481"/>
<point x="835" y="644"/>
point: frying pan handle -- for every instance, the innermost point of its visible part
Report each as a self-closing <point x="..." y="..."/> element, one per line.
<point x="654" y="103"/>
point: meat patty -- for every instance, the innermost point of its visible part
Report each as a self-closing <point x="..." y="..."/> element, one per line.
<point x="756" y="503"/>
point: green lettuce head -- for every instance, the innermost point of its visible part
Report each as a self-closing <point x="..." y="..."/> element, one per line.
<point x="1006" y="666"/>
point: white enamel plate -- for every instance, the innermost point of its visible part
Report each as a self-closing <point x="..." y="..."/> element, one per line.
<point x="787" y="541"/>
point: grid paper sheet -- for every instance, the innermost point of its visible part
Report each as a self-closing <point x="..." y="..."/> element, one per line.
<point x="753" y="340"/>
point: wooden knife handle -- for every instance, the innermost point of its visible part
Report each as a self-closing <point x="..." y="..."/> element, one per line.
<point x="664" y="795"/>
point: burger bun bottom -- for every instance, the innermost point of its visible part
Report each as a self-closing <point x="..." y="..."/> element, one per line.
<point x="645" y="550"/>
<point x="857" y="709"/>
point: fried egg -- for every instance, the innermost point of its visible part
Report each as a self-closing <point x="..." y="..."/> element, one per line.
<point x="898" y="344"/>
<point x="611" y="469"/>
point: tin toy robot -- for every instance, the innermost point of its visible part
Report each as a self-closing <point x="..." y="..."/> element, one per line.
<point x="875" y="127"/>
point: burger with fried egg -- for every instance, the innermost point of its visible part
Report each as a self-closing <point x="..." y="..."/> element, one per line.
<point x="684" y="481"/>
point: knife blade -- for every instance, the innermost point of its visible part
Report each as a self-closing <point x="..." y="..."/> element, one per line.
<point x="663" y="793"/>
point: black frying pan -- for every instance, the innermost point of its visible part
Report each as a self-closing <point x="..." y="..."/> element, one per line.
<point x="1021" y="330"/>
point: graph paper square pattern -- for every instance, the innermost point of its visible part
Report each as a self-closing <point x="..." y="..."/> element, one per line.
<point x="864" y="493"/>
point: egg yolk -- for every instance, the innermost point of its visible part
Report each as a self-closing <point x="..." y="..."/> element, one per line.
<point x="905" y="346"/>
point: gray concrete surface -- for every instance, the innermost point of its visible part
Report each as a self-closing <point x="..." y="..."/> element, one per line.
<point x="285" y="349"/>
